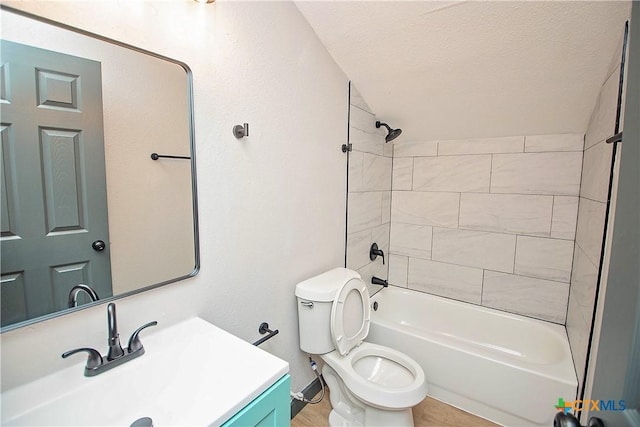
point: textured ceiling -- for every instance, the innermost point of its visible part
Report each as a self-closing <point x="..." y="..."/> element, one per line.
<point x="446" y="70"/>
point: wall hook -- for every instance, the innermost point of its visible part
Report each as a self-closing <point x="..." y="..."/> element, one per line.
<point x="240" y="131"/>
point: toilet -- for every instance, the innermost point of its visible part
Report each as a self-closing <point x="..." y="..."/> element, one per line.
<point x="370" y="385"/>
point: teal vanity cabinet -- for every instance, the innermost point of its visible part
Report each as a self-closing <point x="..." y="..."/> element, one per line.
<point x="272" y="408"/>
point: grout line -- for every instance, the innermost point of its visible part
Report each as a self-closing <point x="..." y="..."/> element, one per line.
<point x="515" y="249"/>
<point x="431" y="254"/>
<point x="490" y="172"/>
<point x="498" y="194"/>
<point x="593" y="200"/>
<point x="413" y="170"/>
<point x="553" y="208"/>
<point x="408" y="259"/>
<point x="487" y="231"/>
<point x="459" y="204"/>
<point x="518" y="275"/>
<point x="482" y="287"/>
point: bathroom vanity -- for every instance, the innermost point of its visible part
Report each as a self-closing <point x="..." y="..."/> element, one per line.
<point x="193" y="373"/>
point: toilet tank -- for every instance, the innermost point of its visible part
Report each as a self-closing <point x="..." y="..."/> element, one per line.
<point x="315" y="297"/>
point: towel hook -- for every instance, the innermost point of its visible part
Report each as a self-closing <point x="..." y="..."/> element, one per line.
<point x="240" y="131"/>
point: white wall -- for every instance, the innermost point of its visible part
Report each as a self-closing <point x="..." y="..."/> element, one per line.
<point x="271" y="205"/>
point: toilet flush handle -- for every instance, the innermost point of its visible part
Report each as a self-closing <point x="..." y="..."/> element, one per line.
<point x="307" y="303"/>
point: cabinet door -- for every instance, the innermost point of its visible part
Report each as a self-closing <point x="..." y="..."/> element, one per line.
<point x="271" y="408"/>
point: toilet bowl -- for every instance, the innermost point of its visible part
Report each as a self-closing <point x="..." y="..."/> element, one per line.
<point x="369" y="384"/>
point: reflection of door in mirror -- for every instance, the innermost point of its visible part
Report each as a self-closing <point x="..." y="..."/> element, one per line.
<point x="146" y="103"/>
<point x="54" y="202"/>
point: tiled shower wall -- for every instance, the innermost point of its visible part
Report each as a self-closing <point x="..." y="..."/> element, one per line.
<point x="488" y="221"/>
<point x="369" y="192"/>
<point x="596" y="171"/>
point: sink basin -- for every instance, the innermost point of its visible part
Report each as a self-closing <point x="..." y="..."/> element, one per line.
<point x="192" y="373"/>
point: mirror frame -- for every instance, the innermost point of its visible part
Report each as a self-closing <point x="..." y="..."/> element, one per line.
<point x="192" y="147"/>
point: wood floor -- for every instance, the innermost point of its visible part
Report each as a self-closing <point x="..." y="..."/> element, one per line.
<point x="429" y="413"/>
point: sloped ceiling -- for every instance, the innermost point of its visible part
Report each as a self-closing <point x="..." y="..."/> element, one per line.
<point x="447" y="70"/>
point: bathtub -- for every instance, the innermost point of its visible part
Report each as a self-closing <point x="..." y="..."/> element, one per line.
<point x="503" y="367"/>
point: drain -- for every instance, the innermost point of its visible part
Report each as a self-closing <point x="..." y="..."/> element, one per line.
<point x="375" y="306"/>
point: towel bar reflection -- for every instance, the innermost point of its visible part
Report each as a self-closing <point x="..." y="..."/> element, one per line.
<point x="156" y="156"/>
<point x="264" y="329"/>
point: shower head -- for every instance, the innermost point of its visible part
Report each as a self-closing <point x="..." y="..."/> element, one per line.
<point x="393" y="133"/>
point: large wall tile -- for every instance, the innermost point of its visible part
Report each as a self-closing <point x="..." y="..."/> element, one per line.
<point x="452" y="173"/>
<point x="596" y="171"/>
<point x="561" y="142"/>
<point x="366" y="142"/>
<point x="538" y="298"/>
<point x="402" y="173"/>
<point x="616" y="58"/>
<point x="364" y="211"/>
<point x="506" y="213"/>
<point x="537" y="173"/>
<point x="565" y="217"/>
<point x="447" y="280"/>
<point x="410" y="239"/>
<point x="544" y="258"/>
<point x="363" y="120"/>
<point x="584" y="280"/>
<point x="578" y="333"/>
<point x="591" y="228"/>
<point x="376" y="173"/>
<point x="509" y="144"/>
<point x="381" y="235"/>
<point x="398" y="265"/>
<point x="425" y="208"/>
<point x="358" y="245"/>
<point x="415" y="148"/>
<point x="603" y="119"/>
<point x="474" y="248"/>
<point x="356" y="164"/>
<point x="387" y="148"/>
<point x="386" y="207"/>
<point x="356" y="100"/>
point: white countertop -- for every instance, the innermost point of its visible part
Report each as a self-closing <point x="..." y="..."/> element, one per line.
<point x="193" y="373"/>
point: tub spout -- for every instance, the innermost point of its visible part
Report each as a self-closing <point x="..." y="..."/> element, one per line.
<point x="378" y="281"/>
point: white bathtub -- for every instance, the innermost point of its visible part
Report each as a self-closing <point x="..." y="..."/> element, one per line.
<point x="504" y="367"/>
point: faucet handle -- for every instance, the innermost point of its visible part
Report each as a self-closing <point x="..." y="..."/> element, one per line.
<point x="375" y="252"/>
<point x="134" y="342"/>
<point x="94" y="359"/>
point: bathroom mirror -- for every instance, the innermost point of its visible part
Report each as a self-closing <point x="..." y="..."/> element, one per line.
<point x="83" y="202"/>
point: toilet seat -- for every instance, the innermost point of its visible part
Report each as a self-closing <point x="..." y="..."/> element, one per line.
<point x="380" y="389"/>
<point x="350" y="315"/>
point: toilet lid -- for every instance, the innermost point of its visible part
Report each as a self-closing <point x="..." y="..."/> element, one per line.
<point x="350" y="315"/>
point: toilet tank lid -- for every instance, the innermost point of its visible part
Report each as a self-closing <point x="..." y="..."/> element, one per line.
<point x="323" y="287"/>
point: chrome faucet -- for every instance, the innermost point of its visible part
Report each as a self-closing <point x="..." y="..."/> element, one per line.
<point x="116" y="355"/>
<point x="73" y="294"/>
